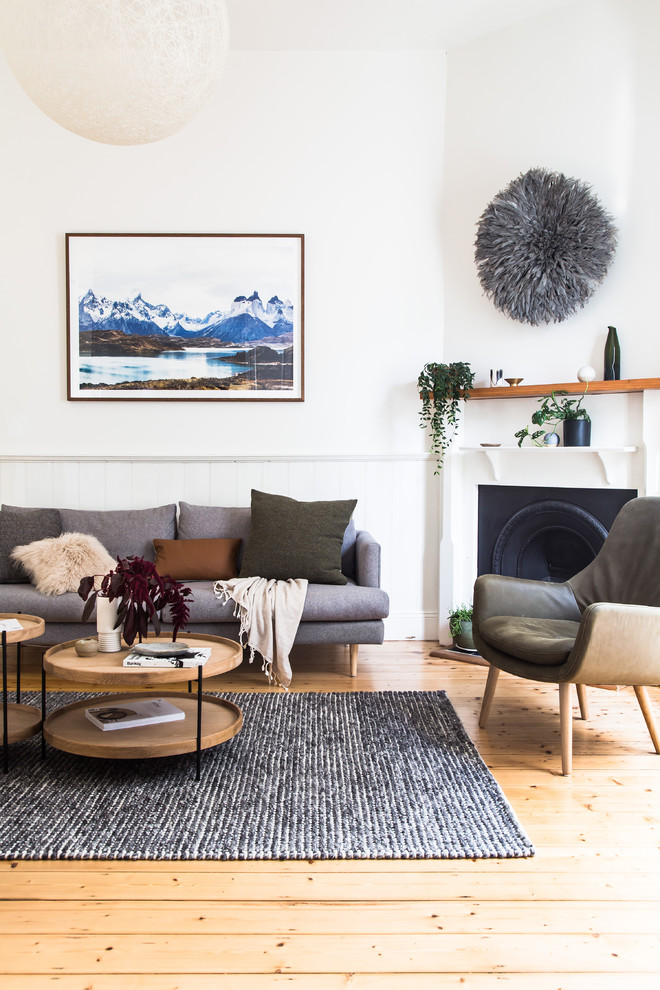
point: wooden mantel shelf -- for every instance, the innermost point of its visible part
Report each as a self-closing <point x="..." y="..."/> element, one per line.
<point x="572" y="388"/>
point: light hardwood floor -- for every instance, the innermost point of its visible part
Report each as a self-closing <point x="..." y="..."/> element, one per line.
<point x="583" y="913"/>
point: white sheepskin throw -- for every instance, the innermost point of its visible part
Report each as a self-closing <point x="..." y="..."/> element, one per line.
<point x="58" y="564"/>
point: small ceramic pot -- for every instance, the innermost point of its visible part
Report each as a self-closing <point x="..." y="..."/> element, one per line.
<point x="464" y="640"/>
<point x="86" y="647"/>
<point x="577" y="433"/>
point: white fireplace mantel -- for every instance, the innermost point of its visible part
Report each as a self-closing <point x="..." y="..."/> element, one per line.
<point x="626" y="454"/>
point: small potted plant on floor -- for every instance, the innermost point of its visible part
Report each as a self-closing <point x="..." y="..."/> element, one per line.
<point x="142" y="594"/>
<point x="460" y="628"/>
<point x="441" y="387"/>
<point x="552" y="412"/>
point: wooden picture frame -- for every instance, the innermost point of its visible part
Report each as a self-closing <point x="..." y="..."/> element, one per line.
<point x="185" y="317"/>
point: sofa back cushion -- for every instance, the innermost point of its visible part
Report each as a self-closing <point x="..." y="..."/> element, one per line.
<point x="124" y="532"/>
<point x="212" y="522"/>
<point x="19" y="526"/>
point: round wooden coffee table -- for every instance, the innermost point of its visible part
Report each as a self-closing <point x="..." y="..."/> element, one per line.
<point x="18" y="721"/>
<point x="208" y="720"/>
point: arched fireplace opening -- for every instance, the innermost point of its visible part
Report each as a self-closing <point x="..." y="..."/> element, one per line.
<point x="547" y="534"/>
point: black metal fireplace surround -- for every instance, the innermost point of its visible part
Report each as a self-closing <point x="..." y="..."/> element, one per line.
<point x="548" y="534"/>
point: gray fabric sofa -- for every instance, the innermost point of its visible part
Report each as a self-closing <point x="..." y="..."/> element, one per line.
<point x="348" y="614"/>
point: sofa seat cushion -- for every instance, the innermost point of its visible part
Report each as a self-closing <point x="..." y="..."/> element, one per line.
<point x="53" y="608"/>
<point x="546" y="642"/>
<point x="323" y="603"/>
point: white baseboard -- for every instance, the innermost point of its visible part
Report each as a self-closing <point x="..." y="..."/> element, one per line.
<point x="412" y="625"/>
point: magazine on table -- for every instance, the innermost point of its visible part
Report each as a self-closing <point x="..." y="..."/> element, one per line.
<point x="191" y="658"/>
<point x="134" y="714"/>
<point x="9" y="625"/>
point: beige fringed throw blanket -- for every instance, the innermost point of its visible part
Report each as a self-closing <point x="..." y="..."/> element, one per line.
<point x="270" y="614"/>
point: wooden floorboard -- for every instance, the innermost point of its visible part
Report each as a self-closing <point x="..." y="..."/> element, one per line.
<point x="583" y="914"/>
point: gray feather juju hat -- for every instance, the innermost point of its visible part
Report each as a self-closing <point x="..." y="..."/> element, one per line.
<point x="543" y="246"/>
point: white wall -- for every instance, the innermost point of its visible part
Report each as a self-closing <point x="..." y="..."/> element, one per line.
<point x="343" y="147"/>
<point x="574" y="91"/>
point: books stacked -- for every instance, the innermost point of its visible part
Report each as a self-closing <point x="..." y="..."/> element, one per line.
<point x="186" y="658"/>
<point x="134" y="714"/>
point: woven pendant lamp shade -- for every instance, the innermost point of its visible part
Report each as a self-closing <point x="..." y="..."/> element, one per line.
<point x="117" y="71"/>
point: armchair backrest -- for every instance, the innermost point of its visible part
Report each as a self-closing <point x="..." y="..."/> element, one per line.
<point x="627" y="569"/>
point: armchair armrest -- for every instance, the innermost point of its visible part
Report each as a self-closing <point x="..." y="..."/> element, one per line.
<point x="497" y="594"/>
<point x="367" y="560"/>
<point x="616" y="644"/>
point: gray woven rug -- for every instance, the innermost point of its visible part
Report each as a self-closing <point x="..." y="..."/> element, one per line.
<point x="383" y="775"/>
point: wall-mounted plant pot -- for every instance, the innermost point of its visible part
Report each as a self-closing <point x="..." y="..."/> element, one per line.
<point x="577" y="433"/>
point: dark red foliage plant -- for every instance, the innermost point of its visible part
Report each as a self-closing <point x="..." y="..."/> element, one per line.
<point x="143" y="593"/>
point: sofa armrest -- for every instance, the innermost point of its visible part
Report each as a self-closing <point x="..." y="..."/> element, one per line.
<point x="497" y="594"/>
<point x="367" y="560"/>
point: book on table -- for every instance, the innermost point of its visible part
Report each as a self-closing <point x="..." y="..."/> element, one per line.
<point x="132" y="714"/>
<point x="191" y="658"/>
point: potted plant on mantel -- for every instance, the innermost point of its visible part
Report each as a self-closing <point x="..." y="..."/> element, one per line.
<point x="141" y="594"/>
<point x="441" y="387"/>
<point x="570" y="412"/>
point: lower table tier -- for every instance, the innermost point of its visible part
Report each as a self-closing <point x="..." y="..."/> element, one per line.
<point x="23" y="721"/>
<point x="70" y="730"/>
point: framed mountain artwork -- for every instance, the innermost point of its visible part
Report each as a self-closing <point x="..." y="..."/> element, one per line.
<point x="185" y="316"/>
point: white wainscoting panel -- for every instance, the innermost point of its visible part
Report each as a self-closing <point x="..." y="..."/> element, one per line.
<point x="398" y="502"/>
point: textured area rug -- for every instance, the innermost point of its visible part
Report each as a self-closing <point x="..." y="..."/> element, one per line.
<point x="383" y="775"/>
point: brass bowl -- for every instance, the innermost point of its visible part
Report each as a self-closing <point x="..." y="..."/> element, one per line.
<point x="513" y="381"/>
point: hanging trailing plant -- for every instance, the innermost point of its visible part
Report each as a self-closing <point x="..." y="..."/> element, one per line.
<point x="442" y="387"/>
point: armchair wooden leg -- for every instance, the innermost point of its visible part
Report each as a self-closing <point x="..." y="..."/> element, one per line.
<point x="353" y="652"/>
<point x="647" y="712"/>
<point x="566" y="728"/>
<point x="491" y="684"/>
<point x="582" y="699"/>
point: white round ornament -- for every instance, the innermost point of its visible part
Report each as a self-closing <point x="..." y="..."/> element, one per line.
<point x="586" y="373"/>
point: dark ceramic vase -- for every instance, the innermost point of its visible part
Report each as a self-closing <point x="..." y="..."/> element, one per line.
<point x="577" y="433"/>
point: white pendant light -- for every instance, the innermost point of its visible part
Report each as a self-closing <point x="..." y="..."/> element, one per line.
<point x="117" y="71"/>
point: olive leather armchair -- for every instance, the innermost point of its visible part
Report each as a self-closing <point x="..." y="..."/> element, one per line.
<point x="602" y="626"/>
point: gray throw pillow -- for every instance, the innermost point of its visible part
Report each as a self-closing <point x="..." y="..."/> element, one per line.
<point x="19" y="526"/>
<point x="291" y="539"/>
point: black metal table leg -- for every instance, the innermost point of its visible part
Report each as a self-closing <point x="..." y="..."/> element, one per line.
<point x="18" y="670"/>
<point x="5" y="726"/>
<point x="43" y="707"/>
<point x="199" y="723"/>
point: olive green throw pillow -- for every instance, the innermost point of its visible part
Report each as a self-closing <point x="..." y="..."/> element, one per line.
<point x="291" y="539"/>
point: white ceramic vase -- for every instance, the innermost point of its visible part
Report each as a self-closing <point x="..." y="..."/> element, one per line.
<point x="106" y="616"/>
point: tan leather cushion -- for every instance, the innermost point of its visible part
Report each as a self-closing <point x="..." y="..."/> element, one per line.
<point x="546" y="642"/>
<point x="198" y="560"/>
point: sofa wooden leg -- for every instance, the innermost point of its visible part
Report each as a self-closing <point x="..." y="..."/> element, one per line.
<point x="491" y="684"/>
<point x="566" y="728"/>
<point x="647" y="712"/>
<point x="583" y="702"/>
<point x="353" y="650"/>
